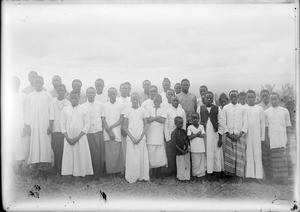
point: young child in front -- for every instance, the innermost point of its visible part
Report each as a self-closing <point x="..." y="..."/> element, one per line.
<point x="181" y="141"/>
<point x="196" y="136"/>
<point x="135" y="125"/>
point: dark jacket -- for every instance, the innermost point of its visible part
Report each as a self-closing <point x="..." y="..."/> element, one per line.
<point x="213" y="115"/>
<point x="180" y="140"/>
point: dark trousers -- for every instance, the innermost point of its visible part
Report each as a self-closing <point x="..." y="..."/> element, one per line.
<point x="58" y="147"/>
<point x="97" y="150"/>
<point x="171" y="155"/>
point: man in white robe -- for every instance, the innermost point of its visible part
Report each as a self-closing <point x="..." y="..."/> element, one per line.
<point x="149" y="102"/>
<point x="39" y="122"/>
<point x="166" y="84"/>
<point x="255" y="136"/>
<point x="74" y="123"/>
<point x="100" y="95"/>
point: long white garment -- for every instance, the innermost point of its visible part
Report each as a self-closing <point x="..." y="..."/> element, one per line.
<point x="95" y="111"/>
<point x="76" y="159"/>
<point x="39" y="110"/>
<point x="164" y="97"/>
<point x="169" y="125"/>
<point x="58" y="106"/>
<point x="214" y="154"/>
<point x="277" y="119"/>
<point x="112" y="113"/>
<point x="18" y="144"/>
<point x="147" y="104"/>
<point x="254" y="136"/>
<point x="137" y="162"/>
<point x="125" y="101"/>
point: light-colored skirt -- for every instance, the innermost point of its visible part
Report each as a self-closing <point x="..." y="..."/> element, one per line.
<point x="114" y="157"/>
<point x="198" y="164"/>
<point x="183" y="167"/>
<point x="157" y="155"/>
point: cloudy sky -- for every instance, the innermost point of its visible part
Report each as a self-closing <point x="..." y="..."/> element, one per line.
<point x="225" y="46"/>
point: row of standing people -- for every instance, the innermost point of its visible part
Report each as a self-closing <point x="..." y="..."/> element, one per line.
<point x="216" y="137"/>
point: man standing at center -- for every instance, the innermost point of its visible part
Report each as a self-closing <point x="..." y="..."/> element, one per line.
<point x="236" y="126"/>
<point x="187" y="100"/>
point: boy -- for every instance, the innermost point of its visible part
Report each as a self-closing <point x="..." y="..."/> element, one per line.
<point x="254" y="138"/>
<point x="180" y="139"/>
<point x="59" y="103"/>
<point x="166" y="84"/>
<point x="100" y="96"/>
<point x="214" y="125"/>
<point x="196" y="134"/>
<point x="39" y="118"/>
<point x="56" y="80"/>
<point x="277" y="125"/>
<point x="170" y="94"/>
<point x="31" y="76"/>
<point x="149" y="102"/>
<point x="74" y="124"/>
<point x="95" y="133"/>
<point x="177" y="88"/>
<point x="135" y="125"/>
<point x="145" y="95"/>
<point x="155" y="136"/>
<point x="242" y="98"/>
<point x="76" y="86"/>
<point x="169" y="126"/>
<point x="111" y="121"/>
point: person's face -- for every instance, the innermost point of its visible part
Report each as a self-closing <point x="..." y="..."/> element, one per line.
<point x="31" y="78"/>
<point x="112" y="94"/>
<point x="250" y="99"/>
<point x="146" y="85"/>
<point x="223" y="102"/>
<point x="175" y="102"/>
<point x="135" y="100"/>
<point x="38" y="84"/>
<point x="233" y="97"/>
<point x="242" y="100"/>
<point x="179" y="123"/>
<point x="202" y="91"/>
<point x="185" y="86"/>
<point x="170" y="94"/>
<point x="265" y="97"/>
<point x="99" y="85"/>
<point x="152" y="92"/>
<point x="76" y="86"/>
<point x="274" y="100"/>
<point x="194" y="119"/>
<point x="60" y="93"/>
<point x="124" y="89"/>
<point x="56" y="81"/>
<point x="15" y="84"/>
<point x="74" y="99"/>
<point x="91" y="93"/>
<point x="166" y="85"/>
<point x="157" y="102"/>
<point x="177" y="89"/>
<point x="209" y="100"/>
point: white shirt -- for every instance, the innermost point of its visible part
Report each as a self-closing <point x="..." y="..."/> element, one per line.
<point x="58" y="106"/>
<point x="102" y="98"/>
<point x="95" y="111"/>
<point x="155" y="131"/>
<point x="164" y="97"/>
<point x="277" y="119"/>
<point x="112" y="113"/>
<point x="125" y="101"/>
<point x="235" y="119"/>
<point x="135" y="120"/>
<point x="197" y="144"/>
<point x="170" y="115"/>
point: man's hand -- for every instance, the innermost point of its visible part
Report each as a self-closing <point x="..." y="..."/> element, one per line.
<point x="112" y="135"/>
<point x="49" y="130"/>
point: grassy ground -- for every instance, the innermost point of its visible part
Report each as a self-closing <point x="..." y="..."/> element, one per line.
<point x="116" y="187"/>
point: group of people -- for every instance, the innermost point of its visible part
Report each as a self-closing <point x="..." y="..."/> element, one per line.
<point x="139" y="135"/>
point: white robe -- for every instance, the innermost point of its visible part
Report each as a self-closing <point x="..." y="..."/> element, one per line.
<point x="254" y="136"/>
<point x="76" y="159"/>
<point x="39" y="110"/>
<point x="18" y="144"/>
<point x="137" y="162"/>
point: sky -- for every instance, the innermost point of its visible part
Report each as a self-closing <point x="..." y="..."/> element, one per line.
<point x="223" y="46"/>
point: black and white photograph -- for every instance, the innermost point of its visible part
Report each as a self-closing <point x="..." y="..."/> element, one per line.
<point x="150" y="105"/>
